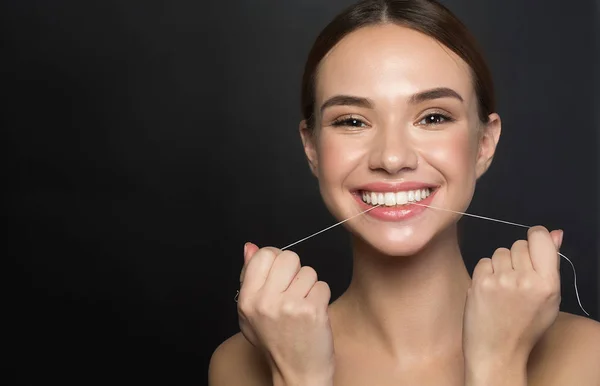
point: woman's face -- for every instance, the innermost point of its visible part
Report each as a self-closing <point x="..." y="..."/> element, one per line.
<point x="396" y="122"/>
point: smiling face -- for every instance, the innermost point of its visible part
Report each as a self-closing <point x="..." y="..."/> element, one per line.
<point x="396" y="121"/>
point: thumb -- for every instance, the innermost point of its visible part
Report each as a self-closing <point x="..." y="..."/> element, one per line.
<point x="249" y="251"/>
<point x="557" y="238"/>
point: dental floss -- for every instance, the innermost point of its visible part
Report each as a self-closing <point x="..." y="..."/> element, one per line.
<point x="519" y="225"/>
<point x="314" y="234"/>
<point x="334" y="225"/>
<point x="447" y="210"/>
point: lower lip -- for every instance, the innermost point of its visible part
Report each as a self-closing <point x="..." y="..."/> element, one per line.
<point x="395" y="213"/>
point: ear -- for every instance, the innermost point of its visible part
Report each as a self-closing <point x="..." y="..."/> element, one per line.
<point x="310" y="147"/>
<point x="488" y="140"/>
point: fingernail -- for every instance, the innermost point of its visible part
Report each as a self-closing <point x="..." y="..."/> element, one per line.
<point x="562" y="233"/>
<point x="245" y="249"/>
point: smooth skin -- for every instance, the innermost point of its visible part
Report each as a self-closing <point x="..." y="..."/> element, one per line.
<point x="412" y="315"/>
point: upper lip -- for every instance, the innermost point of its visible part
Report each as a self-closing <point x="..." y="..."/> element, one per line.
<point x="396" y="187"/>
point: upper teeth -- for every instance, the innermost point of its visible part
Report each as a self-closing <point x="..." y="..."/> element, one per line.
<point x="397" y="198"/>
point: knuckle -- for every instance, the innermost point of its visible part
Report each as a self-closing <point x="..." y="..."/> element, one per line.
<point x="484" y="260"/>
<point x="268" y="252"/>
<point x="501" y="252"/>
<point x="487" y="283"/>
<point x="525" y="283"/>
<point x="506" y="281"/>
<point x="289" y="308"/>
<point x="520" y="244"/>
<point x="324" y="287"/>
<point x="299" y="310"/>
<point x="537" y="229"/>
<point x="548" y="291"/>
<point x="245" y="306"/>
<point x="264" y="308"/>
<point x="309" y="272"/>
<point x="309" y="312"/>
<point x="272" y="249"/>
<point x="481" y="265"/>
<point x="289" y="257"/>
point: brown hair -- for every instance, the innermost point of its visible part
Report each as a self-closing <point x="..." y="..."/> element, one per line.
<point x="426" y="16"/>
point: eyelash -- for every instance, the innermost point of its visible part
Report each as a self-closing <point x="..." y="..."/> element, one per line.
<point x="351" y="121"/>
<point x="346" y="122"/>
<point x="446" y="119"/>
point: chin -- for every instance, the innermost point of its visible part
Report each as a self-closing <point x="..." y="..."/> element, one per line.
<point x="395" y="241"/>
<point x="402" y="230"/>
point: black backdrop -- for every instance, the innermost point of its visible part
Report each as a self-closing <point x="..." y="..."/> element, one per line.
<point x="147" y="141"/>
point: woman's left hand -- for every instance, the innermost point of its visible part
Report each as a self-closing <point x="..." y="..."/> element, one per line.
<point x="514" y="298"/>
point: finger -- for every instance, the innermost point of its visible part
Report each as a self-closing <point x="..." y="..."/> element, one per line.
<point x="319" y="294"/>
<point x="501" y="260"/>
<point x="257" y="270"/>
<point x="284" y="269"/>
<point x="542" y="250"/>
<point x="303" y="282"/>
<point x="249" y="251"/>
<point x="519" y="253"/>
<point x="557" y="238"/>
<point x="484" y="267"/>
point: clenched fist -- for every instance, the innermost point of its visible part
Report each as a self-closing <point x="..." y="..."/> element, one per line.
<point x="514" y="298"/>
<point x="282" y="309"/>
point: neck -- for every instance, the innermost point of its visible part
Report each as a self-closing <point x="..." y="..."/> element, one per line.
<point x="412" y="304"/>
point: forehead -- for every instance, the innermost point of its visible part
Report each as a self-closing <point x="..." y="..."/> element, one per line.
<point x="391" y="62"/>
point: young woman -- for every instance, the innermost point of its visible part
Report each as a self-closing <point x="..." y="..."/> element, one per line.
<point x="399" y="113"/>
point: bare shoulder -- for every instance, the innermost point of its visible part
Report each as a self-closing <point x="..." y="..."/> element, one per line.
<point x="236" y="362"/>
<point x="568" y="353"/>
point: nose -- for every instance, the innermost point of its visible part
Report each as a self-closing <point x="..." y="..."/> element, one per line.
<point x="393" y="151"/>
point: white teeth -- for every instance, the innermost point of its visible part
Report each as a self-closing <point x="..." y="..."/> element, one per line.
<point x="390" y="199"/>
<point x="398" y="198"/>
<point x="401" y="198"/>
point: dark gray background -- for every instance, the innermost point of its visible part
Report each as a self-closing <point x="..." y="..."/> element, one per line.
<point x="147" y="141"/>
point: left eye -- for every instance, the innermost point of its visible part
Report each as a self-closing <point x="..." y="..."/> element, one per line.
<point x="434" y="119"/>
<point x="351" y="122"/>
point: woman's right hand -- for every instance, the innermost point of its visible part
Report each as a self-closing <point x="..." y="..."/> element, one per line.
<point x="282" y="309"/>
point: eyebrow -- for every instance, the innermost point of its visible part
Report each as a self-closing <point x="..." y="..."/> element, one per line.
<point x="435" y="93"/>
<point x="349" y="100"/>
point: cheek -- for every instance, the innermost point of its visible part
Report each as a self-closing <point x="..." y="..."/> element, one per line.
<point x="454" y="155"/>
<point x="338" y="156"/>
